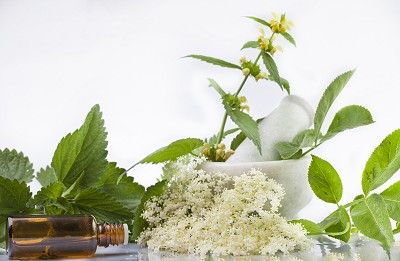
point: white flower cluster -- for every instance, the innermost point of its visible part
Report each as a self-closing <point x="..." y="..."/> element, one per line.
<point x="201" y="213"/>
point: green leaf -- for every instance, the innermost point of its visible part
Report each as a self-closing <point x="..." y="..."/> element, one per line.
<point x="139" y="223"/>
<point x="173" y="151"/>
<point x="246" y="124"/>
<point x="214" y="61"/>
<point x="14" y="196"/>
<point x="372" y="219"/>
<point x="82" y="151"/>
<point x="392" y="200"/>
<point x="272" y="68"/>
<point x="259" y="20"/>
<point x="383" y="163"/>
<point x="288" y="37"/>
<point x="302" y="140"/>
<point x="311" y="227"/>
<point x="14" y="165"/>
<point x="213" y="140"/>
<point x="46" y="176"/>
<point x="216" y="86"/>
<point x="349" y="117"/>
<point x="103" y="207"/>
<point x="324" y="180"/>
<point x="337" y="224"/>
<point x="237" y="140"/>
<point x="3" y="223"/>
<point x="250" y="44"/>
<point x="328" y="98"/>
<point x="50" y="198"/>
<point x="111" y="175"/>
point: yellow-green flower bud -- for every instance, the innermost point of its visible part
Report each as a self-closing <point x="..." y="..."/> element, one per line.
<point x="228" y="153"/>
<point x="242" y="59"/>
<point x="246" y="71"/>
<point x="242" y="99"/>
<point x="219" y="154"/>
<point x="221" y="146"/>
<point x="245" y="107"/>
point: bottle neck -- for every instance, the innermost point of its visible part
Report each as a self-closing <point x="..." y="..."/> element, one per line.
<point x="111" y="234"/>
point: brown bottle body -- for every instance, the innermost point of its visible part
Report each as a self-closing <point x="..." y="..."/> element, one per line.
<point x="64" y="236"/>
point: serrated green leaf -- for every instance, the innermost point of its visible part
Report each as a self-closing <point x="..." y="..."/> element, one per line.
<point x="112" y="174"/>
<point x="327" y="99"/>
<point x="372" y="219"/>
<point x="14" y="196"/>
<point x="139" y="223"/>
<point x="46" y="176"/>
<point x="349" y="117"/>
<point x="128" y="194"/>
<point x="383" y="163"/>
<point x="302" y="140"/>
<point x="250" y="44"/>
<point x="338" y="223"/>
<point x="324" y="180"/>
<point x="216" y="86"/>
<point x="392" y="200"/>
<point x="103" y="207"/>
<point x="272" y="68"/>
<point x="288" y="37"/>
<point x="214" y="61"/>
<point x="82" y="151"/>
<point x="14" y="165"/>
<point x="173" y="151"/>
<point x="311" y="227"/>
<point x="50" y="198"/>
<point x="246" y="124"/>
<point x="284" y="82"/>
<point x="259" y="20"/>
<point x="237" y="140"/>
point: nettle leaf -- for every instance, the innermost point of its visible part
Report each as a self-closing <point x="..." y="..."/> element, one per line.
<point x="302" y="140"/>
<point x="246" y="124"/>
<point x="337" y="224"/>
<point x="173" y="151"/>
<point x="214" y="61"/>
<point x="372" y="219"/>
<point x="213" y="140"/>
<point x="14" y="196"/>
<point x="50" y="198"/>
<point x="14" y="165"/>
<point x="349" y="117"/>
<point x="139" y="223"/>
<point x="103" y="207"/>
<point x="259" y="20"/>
<point x="46" y="176"/>
<point x="284" y="82"/>
<point x="383" y="163"/>
<point x="216" y="86"/>
<point x="392" y="200"/>
<point x="250" y="44"/>
<point x="324" y="180"/>
<point x="111" y="175"/>
<point x="288" y="37"/>
<point x="237" y="140"/>
<point x="327" y="99"/>
<point x="272" y="68"/>
<point x="311" y="227"/>
<point x="82" y="151"/>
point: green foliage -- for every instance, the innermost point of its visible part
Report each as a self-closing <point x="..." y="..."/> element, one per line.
<point x="46" y="176"/>
<point x="325" y="181"/>
<point x="14" y="165"/>
<point x="13" y="197"/>
<point x="259" y="20"/>
<point x="311" y="227"/>
<point x="173" y="151"/>
<point x="288" y="37"/>
<point x="337" y="224"/>
<point x="302" y="140"/>
<point x="250" y="44"/>
<point x="272" y="68"/>
<point x="383" y="163"/>
<point x="216" y="86"/>
<point x="391" y="195"/>
<point x="214" y="61"/>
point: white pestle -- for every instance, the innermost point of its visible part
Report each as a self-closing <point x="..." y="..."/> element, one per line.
<point x="292" y="116"/>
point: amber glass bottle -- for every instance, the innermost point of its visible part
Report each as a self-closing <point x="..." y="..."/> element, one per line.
<point x="63" y="236"/>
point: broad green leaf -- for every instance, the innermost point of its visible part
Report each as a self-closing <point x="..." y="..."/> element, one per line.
<point x="82" y="151"/>
<point x="237" y="140"/>
<point x="214" y="61"/>
<point x="349" y="117"/>
<point x="111" y="175"/>
<point x="3" y="223"/>
<point x="246" y="124"/>
<point x="372" y="219"/>
<point x="250" y="44"/>
<point x="383" y="163"/>
<point x="324" y="180"/>
<point x="139" y="223"/>
<point x="302" y="140"/>
<point x="392" y="200"/>
<point x="50" y="198"/>
<point x="173" y="151"/>
<point x="337" y="223"/>
<point x="14" y="165"/>
<point x="46" y="176"/>
<point x="272" y="68"/>
<point x="103" y="207"/>
<point x="328" y="98"/>
<point x="14" y="196"/>
<point x="259" y="20"/>
<point x="216" y="86"/>
<point x="289" y="38"/>
<point x="311" y="227"/>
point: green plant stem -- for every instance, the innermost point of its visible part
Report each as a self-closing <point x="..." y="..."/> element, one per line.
<point x="221" y="131"/>
<point x="311" y="149"/>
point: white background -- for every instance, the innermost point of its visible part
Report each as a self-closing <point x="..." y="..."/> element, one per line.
<point x="59" y="58"/>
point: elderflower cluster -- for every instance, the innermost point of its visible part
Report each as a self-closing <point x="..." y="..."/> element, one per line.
<point x="201" y="213"/>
